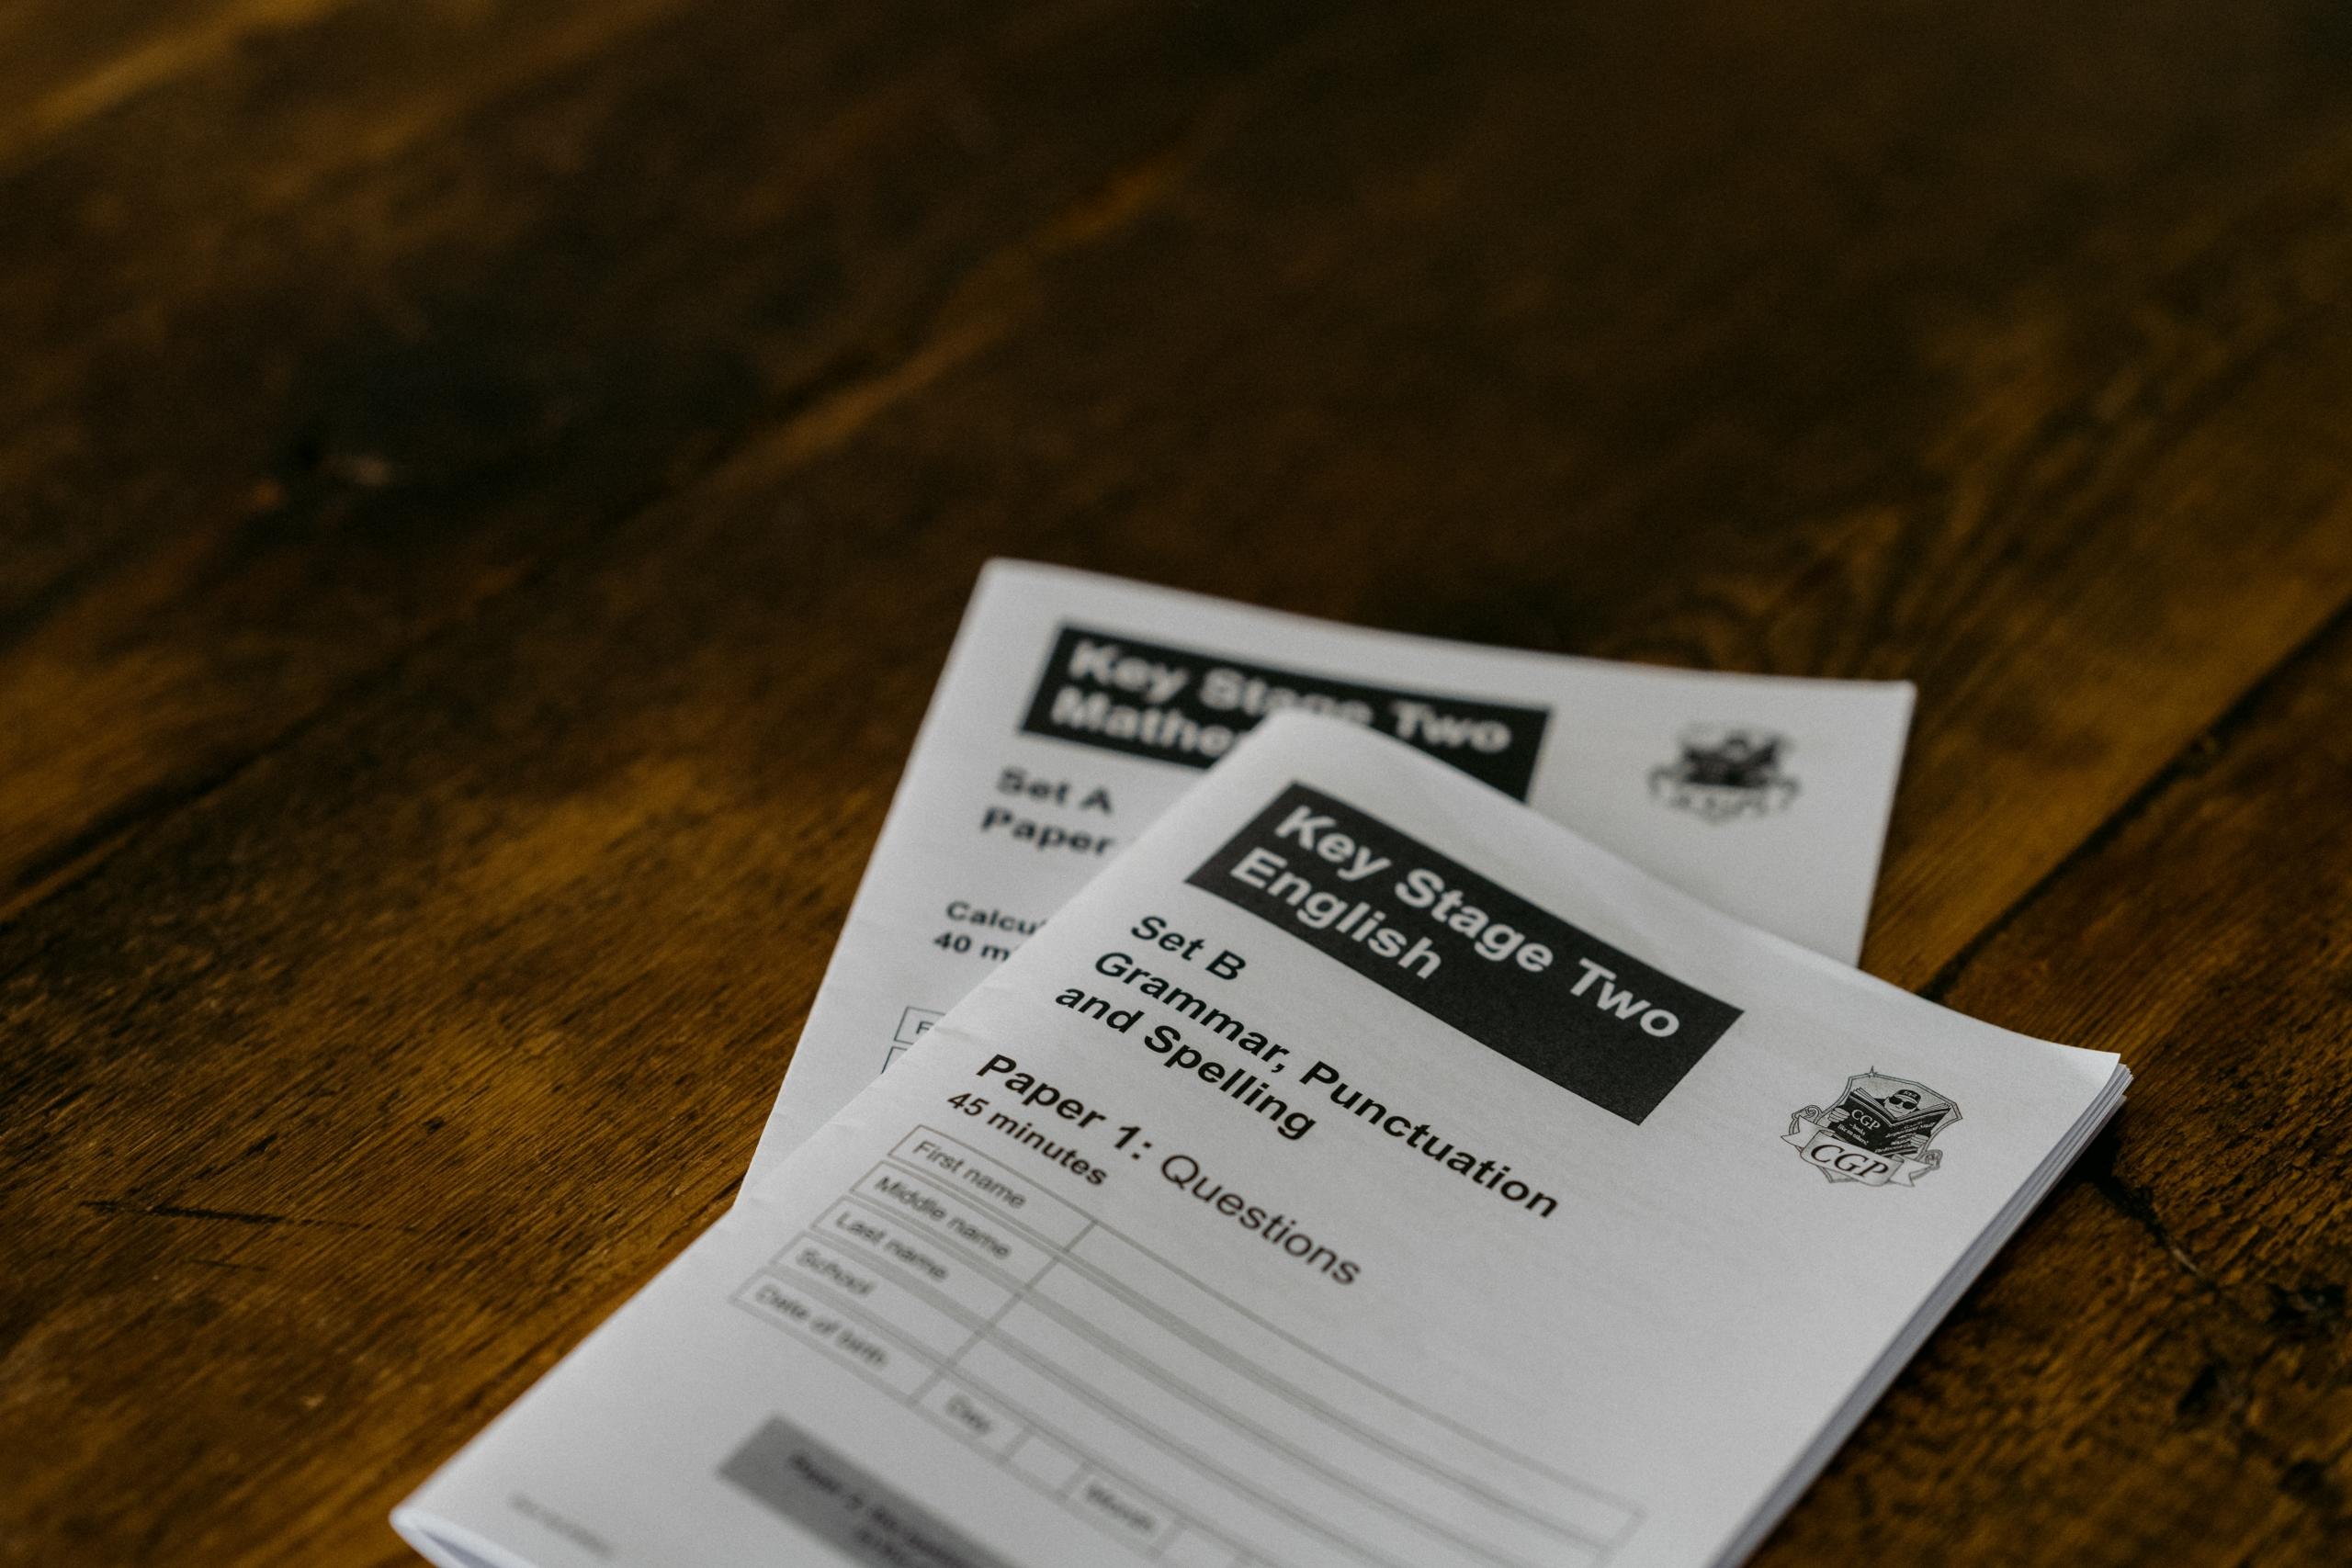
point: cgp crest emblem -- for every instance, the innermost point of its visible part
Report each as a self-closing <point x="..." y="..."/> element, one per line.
<point x="1725" y="772"/>
<point x="1877" y="1132"/>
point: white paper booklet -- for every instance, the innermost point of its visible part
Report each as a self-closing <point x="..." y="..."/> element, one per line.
<point x="1076" y="708"/>
<point x="1361" y="1171"/>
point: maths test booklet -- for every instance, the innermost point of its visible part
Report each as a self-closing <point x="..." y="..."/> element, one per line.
<point x="1076" y="708"/>
<point x="1362" y="1171"/>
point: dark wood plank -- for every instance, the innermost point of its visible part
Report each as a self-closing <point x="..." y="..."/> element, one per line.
<point x="64" y="64"/>
<point x="395" y="1051"/>
<point x="2161" y="1371"/>
<point x="326" y="341"/>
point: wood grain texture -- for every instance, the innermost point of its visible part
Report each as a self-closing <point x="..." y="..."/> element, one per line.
<point x="2163" y="1372"/>
<point x="313" y="358"/>
<point x="485" y="490"/>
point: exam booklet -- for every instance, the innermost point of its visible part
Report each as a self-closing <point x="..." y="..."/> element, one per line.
<point x="1076" y="708"/>
<point x="1364" y="1170"/>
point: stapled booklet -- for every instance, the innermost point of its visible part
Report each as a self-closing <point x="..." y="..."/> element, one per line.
<point x="1075" y="708"/>
<point x="1362" y="1170"/>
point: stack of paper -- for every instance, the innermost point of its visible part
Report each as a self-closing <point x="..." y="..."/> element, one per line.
<point x="1360" y="1168"/>
<point x="1076" y="708"/>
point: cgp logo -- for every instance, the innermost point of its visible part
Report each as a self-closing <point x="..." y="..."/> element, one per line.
<point x="1724" y="772"/>
<point x="1875" y="1133"/>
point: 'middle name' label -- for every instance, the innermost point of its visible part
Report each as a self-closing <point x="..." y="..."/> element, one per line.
<point x="1513" y="977"/>
<point x="1188" y="707"/>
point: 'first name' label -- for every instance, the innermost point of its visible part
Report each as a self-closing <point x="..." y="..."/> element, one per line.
<point x="1185" y="706"/>
<point x="1514" y="976"/>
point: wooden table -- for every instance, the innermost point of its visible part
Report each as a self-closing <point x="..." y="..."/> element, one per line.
<point x="485" y="490"/>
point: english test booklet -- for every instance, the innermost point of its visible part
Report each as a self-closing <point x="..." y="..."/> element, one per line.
<point x="1362" y="1170"/>
<point x="1076" y="708"/>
